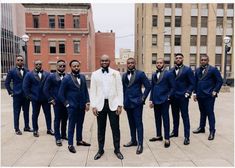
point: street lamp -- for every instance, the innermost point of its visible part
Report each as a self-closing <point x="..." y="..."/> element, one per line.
<point x="25" y="38"/>
<point x="226" y="50"/>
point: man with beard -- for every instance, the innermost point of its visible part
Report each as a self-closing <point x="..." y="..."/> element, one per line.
<point x="51" y="89"/>
<point x="107" y="99"/>
<point x="208" y="84"/>
<point x="162" y="87"/>
<point x="33" y="89"/>
<point x="16" y="75"/>
<point x="134" y="100"/>
<point x="73" y="93"/>
<point x="184" y="85"/>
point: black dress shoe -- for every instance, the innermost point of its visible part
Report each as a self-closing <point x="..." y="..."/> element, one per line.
<point x="58" y="142"/>
<point x="199" y="130"/>
<point x="18" y="132"/>
<point x="98" y="155"/>
<point x="173" y="135"/>
<point x="119" y="155"/>
<point x="129" y="144"/>
<point x="36" y="134"/>
<point x="71" y="149"/>
<point x="64" y="137"/>
<point x="50" y="132"/>
<point x="167" y="143"/>
<point x="186" y="141"/>
<point x="156" y="139"/>
<point x="211" y="136"/>
<point x="83" y="143"/>
<point x="139" y="149"/>
<point x="28" y="129"/>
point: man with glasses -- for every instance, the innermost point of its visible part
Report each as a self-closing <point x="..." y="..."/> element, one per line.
<point x="33" y="89"/>
<point x="16" y="75"/>
<point x="107" y="99"/>
<point x="73" y="93"/>
<point x="51" y="89"/>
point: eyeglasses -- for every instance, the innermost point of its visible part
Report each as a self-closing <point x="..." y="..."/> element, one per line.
<point x="20" y="60"/>
<point x="38" y="64"/>
<point x="62" y="66"/>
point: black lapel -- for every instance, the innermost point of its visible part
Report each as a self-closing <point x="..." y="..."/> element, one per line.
<point x="75" y="81"/>
<point x="36" y="76"/>
<point x="132" y="79"/>
<point x="205" y="73"/>
<point x="18" y="73"/>
<point x="57" y="76"/>
<point x="125" y="79"/>
<point x="43" y="76"/>
<point x="160" y="77"/>
<point x="155" y="79"/>
<point x="180" y="72"/>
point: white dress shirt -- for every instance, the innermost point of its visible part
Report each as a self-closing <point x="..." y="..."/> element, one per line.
<point x="106" y="83"/>
<point x="22" y="72"/>
<point x="129" y="77"/>
<point x="40" y="75"/>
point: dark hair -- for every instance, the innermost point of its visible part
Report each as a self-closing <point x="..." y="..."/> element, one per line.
<point x="179" y="54"/>
<point x="204" y="55"/>
<point x="20" y="56"/>
<point x="73" y="61"/>
<point x="131" y="58"/>
<point x="60" y="61"/>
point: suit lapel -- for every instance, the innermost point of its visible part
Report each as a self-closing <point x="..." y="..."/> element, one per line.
<point x="36" y="76"/>
<point x="160" y="77"/>
<point x="180" y="72"/>
<point x="18" y="73"/>
<point x="132" y="79"/>
<point x="75" y="81"/>
<point x="125" y="79"/>
<point x="57" y="76"/>
<point x="205" y="73"/>
<point x="43" y="77"/>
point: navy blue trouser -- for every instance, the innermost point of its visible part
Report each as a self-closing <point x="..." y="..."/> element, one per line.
<point x="180" y="105"/>
<point x="161" y="113"/>
<point x="134" y="116"/>
<point x="206" y="107"/>
<point x="76" y="118"/>
<point x="19" y="101"/>
<point x="60" y="120"/>
<point x="36" y="110"/>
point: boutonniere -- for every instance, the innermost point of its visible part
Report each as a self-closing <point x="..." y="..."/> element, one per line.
<point x="114" y="75"/>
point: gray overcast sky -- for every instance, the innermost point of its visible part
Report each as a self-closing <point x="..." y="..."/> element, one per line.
<point x="117" y="17"/>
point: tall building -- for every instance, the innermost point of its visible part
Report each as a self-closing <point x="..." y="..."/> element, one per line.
<point x="12" y="28"/>
<point x="121" y="61"/>
<point x="163" y="29"/>
<point x="60" y="31"/>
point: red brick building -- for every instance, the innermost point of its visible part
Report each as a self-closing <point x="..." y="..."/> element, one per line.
<point x="61" y="31"/>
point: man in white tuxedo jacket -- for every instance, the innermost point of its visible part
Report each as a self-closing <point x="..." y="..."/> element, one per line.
<point x="106" y="95"/>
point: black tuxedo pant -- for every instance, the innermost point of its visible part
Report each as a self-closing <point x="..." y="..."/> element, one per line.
<point x="114" y="123"/>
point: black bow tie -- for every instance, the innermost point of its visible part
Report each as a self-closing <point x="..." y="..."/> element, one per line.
<point x="130" y="72"/>
<point x="203" y="67"/>
<point x="177" y="67"/>
<point x="105" y="69"/>
<point x="77" y="75"/>
<point x="39" y="71"/>
<point x="61" y="74"/>
<point x="158" y="70"/>
<point x="20" y="68"/>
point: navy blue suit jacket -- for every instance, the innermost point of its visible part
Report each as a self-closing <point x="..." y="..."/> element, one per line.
<point x="162" y="88"/>
<point x="133" y="96"/>
<point x="52" y="86"/>
<point x="72" y="93"/>
<point x="210" y="81"/>
<point x="33" y="86"/>
<point x="15" y="76"/>
<point x="184" y="81"/>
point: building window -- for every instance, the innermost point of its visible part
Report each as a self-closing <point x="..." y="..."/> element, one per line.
<point x="154" y="20"/>
<point x="193" y="40"/>
<point x="167" y="5"/>
<point x="167" y="21"/>
<point x="178" y="21"/>
<point x="177" y="40"/>
<point x="229" y="22"/>
<point x="194" y="21"/>
<point x="155" y="5"/>
<point x="37" y="46"/>
<point x="52" y="45"/>
<point x="167" y="59"/>
<point x="35" y="21"/>
<point x="204" y="6"/>
<point x="220" y="6"/>
<point x="167" y="40"/>
<point x="218" y="59"/>
<point x="229" y="60"/>
<point x="193" y="61"/>
<point x="154" y="39"/>
<point x="154" y="58"/>
<point x="219" y="22"/>
<point x="61" y="22"/>
<point x="61" y="47"/>
<point x="230" y="6"/>
<point x="219" y="41"/>
<point x="203" y="41"/>
<point x="76" y="46"/>
<point x="194" y="6"/>
<point x="178" y="5"/>
<point x="76" y="21"/>
<point x="51" y="21"/>
<point x="204" y="21"/>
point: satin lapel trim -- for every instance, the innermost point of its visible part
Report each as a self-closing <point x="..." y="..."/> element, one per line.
<point x="126" y="81"/>
<point x="155" y="79"/>
<point x="205" y="73"/>
<point x="36" y="76"/>
<point x="57" y="76"/>
<point x="43" y="76"/>
<point x="180" y="72"/>
<point x="18" y="73"/>
<point x="132" y="79"/>
<point x="75" y="81"/>
<point x="160" y="77"/>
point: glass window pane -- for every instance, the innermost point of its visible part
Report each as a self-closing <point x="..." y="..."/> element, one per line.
<point x="178" y="21"/>
<point x="52" y="45"/>
<point x="167" y="21"/>
<point x="154" y="39"/>
<point x="76" y="21"/>
<point x="203" y="21"/>
<point x="219" y="22"/>
<point x="194" y="21"/>
<point x="177" y="40"/>
<point x="61" y="47"/>
<point x="167" y="40"/>
<point x="203" y="41"/>
<point x="193" y="40"/>
<point x="76" y="45"/>
<point x="61" y="21"/>
<point x="51" y="21"/>
<point x="154" y="20"/>
<point x="154" y="58"/>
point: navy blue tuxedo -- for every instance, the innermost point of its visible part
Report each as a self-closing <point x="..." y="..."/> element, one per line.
<point x="161" y="90"/>
<point x="134" y="100"/>
<point x="19" y="99"/>
<point x="206" y="83"/>
<point x="74" y="96"/>
<point x="33" y="89"/>
<point x="51" y="90"/>
<point x="184" y="83"/>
